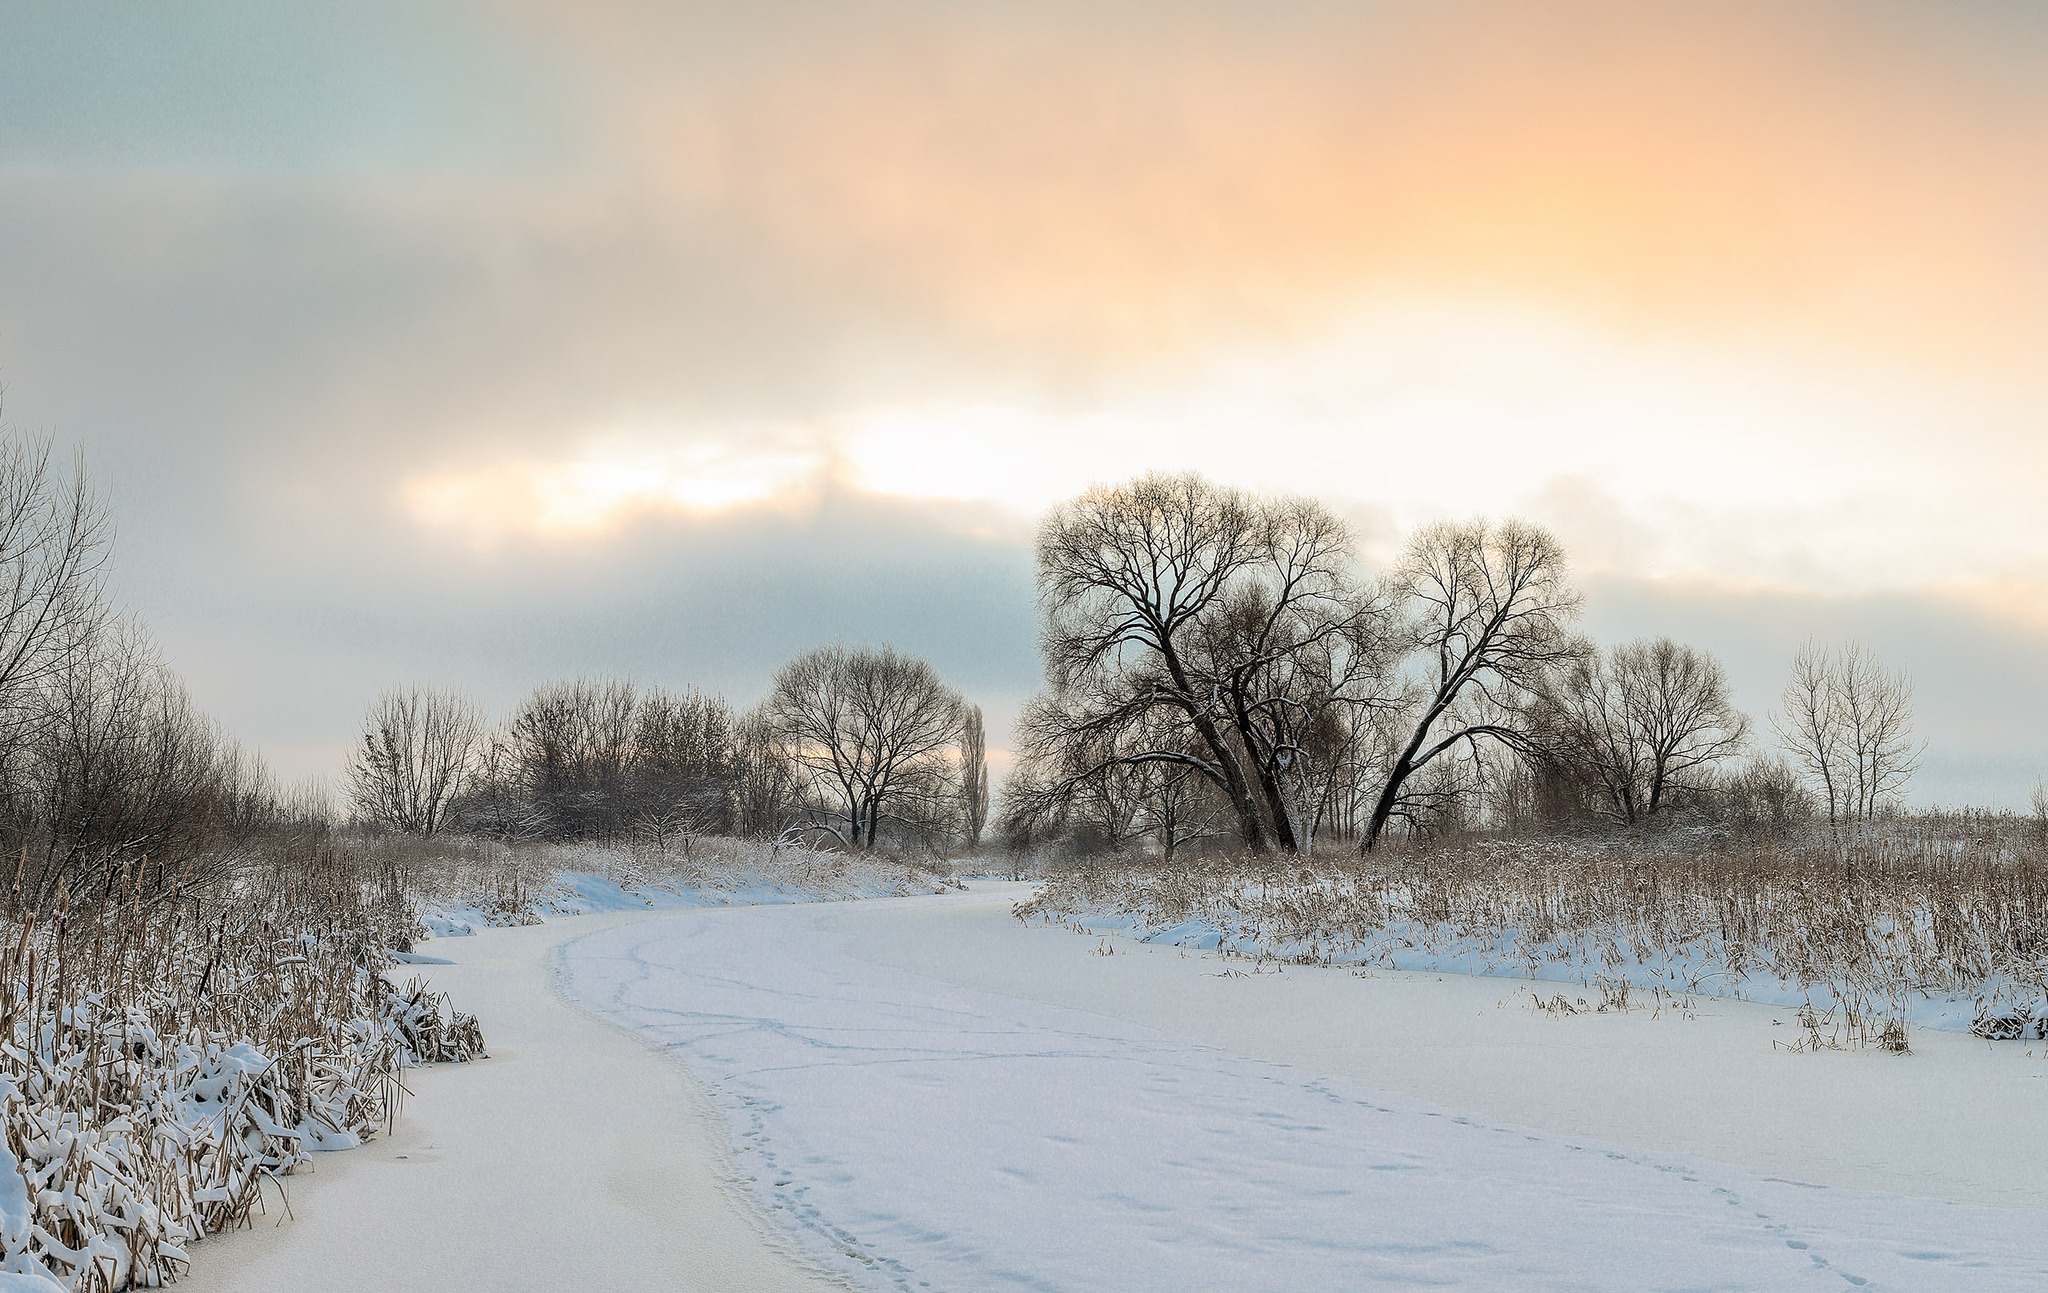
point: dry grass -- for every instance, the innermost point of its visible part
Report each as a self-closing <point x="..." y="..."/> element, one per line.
<point x="1951" y="907"/>
<point x="485" y="882"/>
<point x="163" y="1063"/>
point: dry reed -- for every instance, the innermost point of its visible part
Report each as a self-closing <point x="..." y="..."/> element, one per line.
<point x="1941" y="908"/>
<point x="165" y="1059"/>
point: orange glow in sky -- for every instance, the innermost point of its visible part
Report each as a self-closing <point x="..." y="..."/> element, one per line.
<point x="1751" y="291"/>
<point x="678" y="336"/>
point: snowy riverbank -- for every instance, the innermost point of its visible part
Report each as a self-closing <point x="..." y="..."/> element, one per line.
<point x="926" y="1092"/>
<point x="936" y="1120"/>
<point x="575" y="1157"/>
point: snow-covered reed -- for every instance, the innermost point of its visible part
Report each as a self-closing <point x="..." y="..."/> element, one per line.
<point x="164" y="1059"/>
<point x="1940" y="920"/>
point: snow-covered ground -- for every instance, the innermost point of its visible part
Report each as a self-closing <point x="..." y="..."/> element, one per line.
<point x="932" y="1096"/>
<point x="925" y="1093"/>
<point x="1699" y="970"/>
<point x="575" y="1157"/>
<point x="1958" y="1119"/>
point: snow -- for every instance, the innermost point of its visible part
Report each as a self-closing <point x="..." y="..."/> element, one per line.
<point x="582" y="893"/>
<point x="919" y="1132"/>
<point x="1958" y="1119"/>
<point x="928" y="1093"/>
<point x="21" y="1273"/>
<point x="1421" y="948"/>
<point x="573" y="1157"/>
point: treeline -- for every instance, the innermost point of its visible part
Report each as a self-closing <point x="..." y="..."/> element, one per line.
<point x="863" y="747"/>
<point x="1220" y="667"/>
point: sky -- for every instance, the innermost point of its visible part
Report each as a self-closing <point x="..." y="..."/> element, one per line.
<point x="481" y="344"/>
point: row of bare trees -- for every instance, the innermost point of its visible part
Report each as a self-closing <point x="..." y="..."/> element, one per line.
<point x="1218" y="664"/>
<point x="858" y="745"/>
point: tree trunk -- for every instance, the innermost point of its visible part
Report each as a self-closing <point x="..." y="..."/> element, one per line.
<point x="1250" y="826"/>
<point x="1390" y="794"/>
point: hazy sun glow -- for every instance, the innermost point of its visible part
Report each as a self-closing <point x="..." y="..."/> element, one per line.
<point x="1745" y="292"/>
<point x="594" y="493"/>
<point x="1749" y="463"/>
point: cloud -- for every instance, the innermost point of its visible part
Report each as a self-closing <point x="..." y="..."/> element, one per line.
<point x="593" y="494"/>
<point x="1096" y="178"/>
<point x="505" y="340"/>
<point x="290" y="644"/>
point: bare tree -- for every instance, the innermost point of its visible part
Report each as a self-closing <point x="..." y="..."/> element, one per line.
<point x="1809" y="724"/>
<point x="119" y="771"/>
<point x="575" y="745"/>
<point x="418" y="745"/>
<point x="1847" y="722"/>
<point x="682" y="762"/>
<point x="55" y="541"/>
<point x="1643" y="721"/>
<point x="767" y="786"/>
<point x="495" y="801"/>
<point x="1491" y="605"/>
<point x="870" y="731"/>
<point x="1194" y="625"/>
<point x="108" y="774"/>
<point x="973" y="776"/>
<point x="1878" y="703"/>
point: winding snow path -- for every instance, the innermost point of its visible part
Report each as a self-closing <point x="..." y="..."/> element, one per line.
<point x="924" y="1094"/>
<point x="576" y="1157"/>
<point x="924" y="1134"/>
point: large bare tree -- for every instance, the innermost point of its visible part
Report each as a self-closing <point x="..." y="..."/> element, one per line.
<point x="1490" y="606"/>
<point x="871" y="731"/>
<point x="1190" y="624"/>
<point x="1642" y="721"/>
<point x="1847" y="722"/>
<point x="418" y="746"/>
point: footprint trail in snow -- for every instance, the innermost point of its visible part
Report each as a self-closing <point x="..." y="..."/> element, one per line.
<point x="921" y="1135"/>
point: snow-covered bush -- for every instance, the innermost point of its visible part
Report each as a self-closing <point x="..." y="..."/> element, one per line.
<point x="162" y="1063"/>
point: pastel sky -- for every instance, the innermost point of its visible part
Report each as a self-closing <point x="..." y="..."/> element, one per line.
<point x="482" y="343"/>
